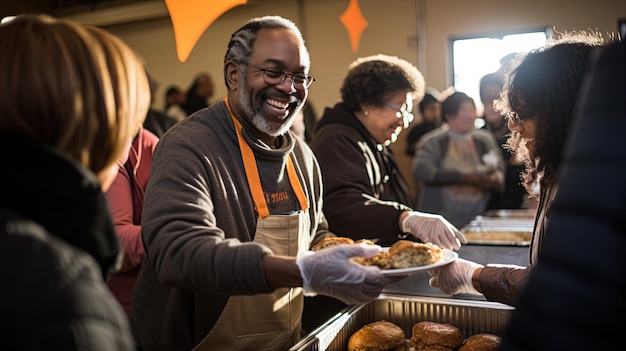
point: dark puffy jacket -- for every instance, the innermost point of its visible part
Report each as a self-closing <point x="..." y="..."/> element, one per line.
<point x="57" y="245"/>
<point x="53" y="295"/>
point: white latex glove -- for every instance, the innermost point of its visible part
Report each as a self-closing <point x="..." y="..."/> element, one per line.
<point x="455" y="278"/>
<point x="433" y="228"/>
<point x="330" y="272"/>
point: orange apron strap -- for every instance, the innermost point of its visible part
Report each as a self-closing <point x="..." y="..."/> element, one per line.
<point x="252" y="173"/>
<point x="293" y="179"/>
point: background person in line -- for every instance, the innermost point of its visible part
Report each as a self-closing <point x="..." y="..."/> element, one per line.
<point x="539" y="99"/>
<point x="430" y="111"/>
<point x="199" y="93"/>
<point x="125" y="198"/>
<point x="232" y="207"/>
<point x="71" y="99"/>
<point x="514" y="192"/>
<point x="461" y="166"/>
<point x="175" y="101"/>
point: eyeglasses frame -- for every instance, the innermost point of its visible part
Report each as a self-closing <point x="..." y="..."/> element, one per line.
<point x="402" y="113"/>
<point x="285" y="74"/>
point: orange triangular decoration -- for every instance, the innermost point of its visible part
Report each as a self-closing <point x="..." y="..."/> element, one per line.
<point x="190" y="18"/>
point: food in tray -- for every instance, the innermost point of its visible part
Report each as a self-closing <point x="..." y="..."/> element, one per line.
<point x="499" y="237"/>
<point x="404" y="254"/>
<point x="378" y="336"/>
<point x="481" y="342"/>
<point x="425" y="336"/>
<point x="431" y="336"/>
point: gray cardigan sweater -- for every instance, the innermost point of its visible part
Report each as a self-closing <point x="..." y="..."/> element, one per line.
<point x="427" y="166"/>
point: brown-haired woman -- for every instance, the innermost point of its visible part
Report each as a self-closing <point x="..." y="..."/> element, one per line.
<point x="71" y="99"/>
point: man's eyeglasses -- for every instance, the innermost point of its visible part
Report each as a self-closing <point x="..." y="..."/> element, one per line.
<point x="403" y="113"/>
<point x="300" y="81"/>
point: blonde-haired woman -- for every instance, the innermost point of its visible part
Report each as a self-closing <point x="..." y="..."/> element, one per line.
<point x="71" y="99"/>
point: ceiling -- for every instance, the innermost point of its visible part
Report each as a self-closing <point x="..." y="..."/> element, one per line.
<point x="60" y="8"/>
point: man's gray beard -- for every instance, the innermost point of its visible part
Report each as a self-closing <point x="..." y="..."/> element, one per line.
<point x="256" y="117"/>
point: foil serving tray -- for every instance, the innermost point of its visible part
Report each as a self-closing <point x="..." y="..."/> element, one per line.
<point x="512" y="213"/>
<point x="472" y="317"/>
<point x="485" y="230"/>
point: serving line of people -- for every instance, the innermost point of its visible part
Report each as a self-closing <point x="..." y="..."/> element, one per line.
<point x="233" y="201"/>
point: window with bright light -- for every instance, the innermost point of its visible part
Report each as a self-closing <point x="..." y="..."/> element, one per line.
<point x="473" y="57"/>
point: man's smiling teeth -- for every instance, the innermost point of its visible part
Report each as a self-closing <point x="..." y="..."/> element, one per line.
<point x="282" y="105"/>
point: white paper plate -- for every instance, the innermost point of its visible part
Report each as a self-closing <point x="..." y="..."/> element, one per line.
<point x="449" y="256"/>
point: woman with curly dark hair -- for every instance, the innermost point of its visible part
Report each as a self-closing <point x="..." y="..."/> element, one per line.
<point x="538" y="100"/>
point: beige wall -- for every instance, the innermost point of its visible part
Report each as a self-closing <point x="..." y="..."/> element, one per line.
<point x="393" y="29"/>
<point x="416" y="30"/>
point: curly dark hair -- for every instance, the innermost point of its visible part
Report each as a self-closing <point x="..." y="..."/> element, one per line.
<point x="373" y="81"/>
<point x="544" y="87"/>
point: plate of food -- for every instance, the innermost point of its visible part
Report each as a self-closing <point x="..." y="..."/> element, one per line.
<point x="448" y="256"/>
<point x="403" y="258"/>
<point x="408" y="257"/>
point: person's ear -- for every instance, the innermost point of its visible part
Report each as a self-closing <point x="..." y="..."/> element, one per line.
<point x="232" y="74"/>
<point x="365" y="108"/>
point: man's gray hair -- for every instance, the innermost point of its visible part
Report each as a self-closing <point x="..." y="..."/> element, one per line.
<point x="241" y="41"/>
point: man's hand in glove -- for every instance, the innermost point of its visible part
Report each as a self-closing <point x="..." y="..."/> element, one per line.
<point x="432" y="228"/>
<point x="455" y="278"/>
<point x="330" y="272"/>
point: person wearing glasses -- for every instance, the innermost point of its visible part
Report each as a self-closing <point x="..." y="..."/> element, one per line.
<point x="233" y="204"/>
<point x="539" y="101"/>
<point x="461" y="166"/>
<point x="365" y="194"/>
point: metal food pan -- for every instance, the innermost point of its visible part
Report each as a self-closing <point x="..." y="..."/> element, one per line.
<point x="516" y="224"/>
<point x="512" y="213"/>
<point x="472" y="317"/>
<point x="499" y="231"/>
<point x="498" y="238"/>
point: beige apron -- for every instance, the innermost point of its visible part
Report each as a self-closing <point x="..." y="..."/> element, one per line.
<point x="265" y="321"/>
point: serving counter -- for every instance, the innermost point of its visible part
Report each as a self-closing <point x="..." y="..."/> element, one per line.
<point x="412" y="299"/>
<point x="417" y="285"/>
<point x="497" y="236"/>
